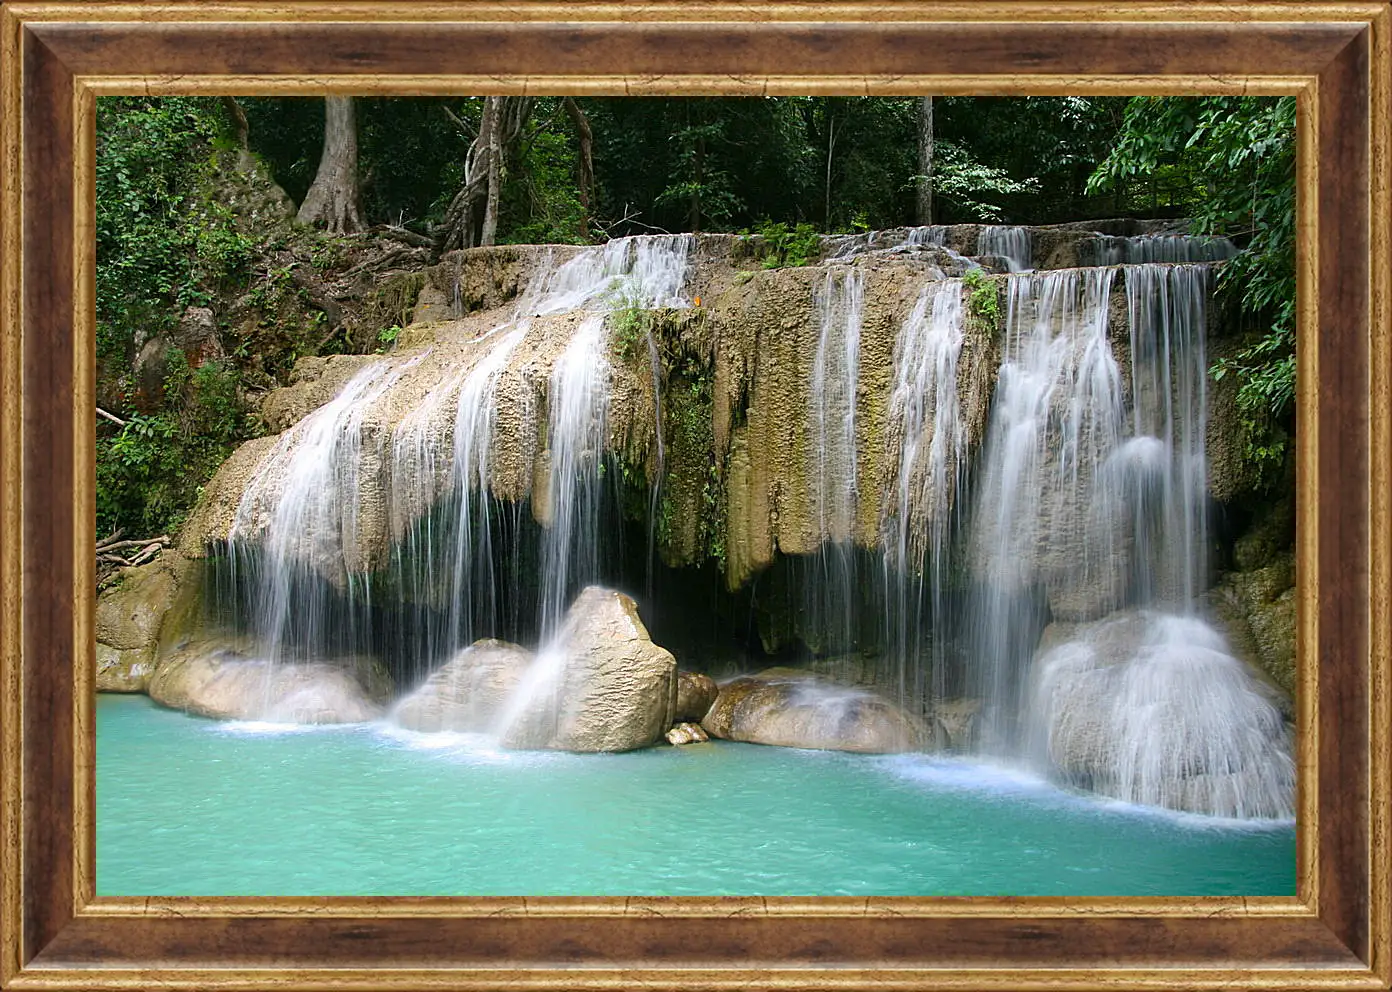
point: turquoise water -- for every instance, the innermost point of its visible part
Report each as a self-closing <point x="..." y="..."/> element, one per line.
<point x="187" y="806"/>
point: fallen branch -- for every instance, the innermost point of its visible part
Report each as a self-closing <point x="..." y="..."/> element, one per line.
<point x="402" y="234"/>
<point x="146" y="555"/>
<point x="162" y="540"/>
<point x="111" y="417"/>
<point x="115" y="535"/>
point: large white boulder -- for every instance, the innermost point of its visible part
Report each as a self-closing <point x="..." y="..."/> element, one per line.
<point x="602" y="685"/>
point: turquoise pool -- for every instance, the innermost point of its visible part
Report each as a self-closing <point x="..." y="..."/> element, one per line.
<point x="187" y="806"/>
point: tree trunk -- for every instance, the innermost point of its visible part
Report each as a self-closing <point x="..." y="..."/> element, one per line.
<point x="495" y="172"/>
<point x="239" y="121"/>
<point x="925" y="161"/>
<point x="586" y="178"/>
<point x="332" y="201"/>
<point x="695" y="218"/>
<point x="831" y="149"/>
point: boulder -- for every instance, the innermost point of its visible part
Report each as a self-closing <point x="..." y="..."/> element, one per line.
<point x="601" y="685"/>
<point x="469" y="693"/>
<point x="133" y="615"/>
<point x="695" y="694"/>
<point x="793" y="708"/>
<point x="223" y="681"/>
<point x="129" y="614"/>
<point x="687" y="733"/>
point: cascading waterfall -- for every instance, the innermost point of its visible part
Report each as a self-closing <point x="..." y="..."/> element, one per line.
<point x="1057" y="408"/>
<point x="928" y="439"/>
<point x="1085" y="505"/>
<point x="1149" y="707"/>
<point x="578" y="403"/>
<point x="302" y="510"/>
<point x="1009" y="243"/>
<point x="832" y="469"/>
<point x="932" y="235"/>
<point x="1147" y="248"/>
<point x="1166" y="458"/>
<point x="295" y="545"/>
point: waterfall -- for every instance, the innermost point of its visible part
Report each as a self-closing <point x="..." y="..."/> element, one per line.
<point x="832" y="470"/>
<point x="1050" y="565"/>
<point x="835" y="371"/>
<point x="1009" y="243"/>
<point x="932" y="235"/>
<point x="1167" y="459"/>
<point x="298" y="552"/>
<point x="1153" y="709"/>
<point x="578" y="404"/>
<point x="928" y="441"/>
<point x="302" y="508"/>
<point x="1148" y="248"/>
<point x="1086" y="506"/>
<point x="1057" y="409"/>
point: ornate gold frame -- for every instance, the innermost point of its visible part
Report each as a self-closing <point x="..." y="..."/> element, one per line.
<point x="55" y="58"/>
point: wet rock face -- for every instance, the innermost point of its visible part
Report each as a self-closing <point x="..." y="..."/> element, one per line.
<point x="124" y="671"/>
<point x="220" y="680"/>
<point x="956" y="724"/>
<point x="469" y="693"/>
<point x="130" y="619"/>
<point x="793" y="708"/>
<point x="695" y="694"/>
<point x="602" y="686"/>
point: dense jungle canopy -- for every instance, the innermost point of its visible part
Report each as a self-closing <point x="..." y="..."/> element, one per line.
<point x="181" y="245"/>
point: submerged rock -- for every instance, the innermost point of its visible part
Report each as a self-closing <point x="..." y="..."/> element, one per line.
<point x="218" y="680"/>
<point x="1152" y="708"/>
<point x="793" y="708"/>
<point x="603" y="685"/>
<point x="687" y="733"/>
<point x="695" y="694"/>
<point x="469" y="693"/>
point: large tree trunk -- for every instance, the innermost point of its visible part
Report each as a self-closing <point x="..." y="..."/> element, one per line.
<point x="332" y="201"/>
<point x="831" y="151"/>
<point x="925" y="161"/>
<point x="586" y="178"/>
<point x="495" y="174"/>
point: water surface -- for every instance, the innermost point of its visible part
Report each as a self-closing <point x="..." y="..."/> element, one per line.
<point x="187" y="806"/>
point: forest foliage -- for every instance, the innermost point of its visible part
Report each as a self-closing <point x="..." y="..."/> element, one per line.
<point x="787" y="168"/>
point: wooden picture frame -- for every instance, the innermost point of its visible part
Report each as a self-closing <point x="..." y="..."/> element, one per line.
<point x="55" y="58"/>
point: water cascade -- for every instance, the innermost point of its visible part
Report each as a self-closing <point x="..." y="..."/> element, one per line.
<point x="299" y="556"/>
<point x="928" y="440"/>
<point x="1057" y="411"/>
<point x="302" y="512"/>
<point x="832" y="465"/>
<point x="1041" y="549"/>
<point x="1147" y="248"/>
<point x="1009" y="243"/>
